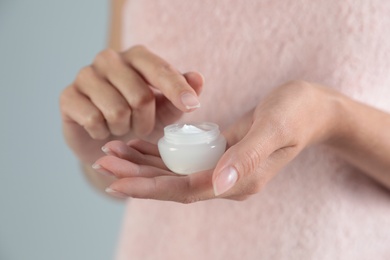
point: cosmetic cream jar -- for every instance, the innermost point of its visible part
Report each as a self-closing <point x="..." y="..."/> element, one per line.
<point x="189" y="148"/>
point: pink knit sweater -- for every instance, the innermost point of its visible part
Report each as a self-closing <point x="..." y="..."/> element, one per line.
<point x="318" y="207"/>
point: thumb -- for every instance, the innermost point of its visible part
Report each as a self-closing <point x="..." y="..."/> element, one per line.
<point x="242" y="158"/>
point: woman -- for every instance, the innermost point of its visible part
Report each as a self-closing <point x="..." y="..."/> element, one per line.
<point x="300" y="90"/>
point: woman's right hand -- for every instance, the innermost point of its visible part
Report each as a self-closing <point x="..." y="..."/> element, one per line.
<point x="124" y="95"/>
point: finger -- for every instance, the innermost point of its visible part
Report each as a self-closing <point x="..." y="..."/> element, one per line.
<point x="167" y="113"/>
<point x="121" y="168"/>
<point x="163" y="76"/>
<point x="132" y="87"/>
<point x="78" y="108"/>
<point x="196" y="81"/>
<point x="254" y="182"/>
<point x="183" y="189"/>
<point x="107" y="99"/>
<point x="242" y="159"/>
<point x="144" y="147"/>
<point x="123" y="151"/>
<point x="143" y="119"/>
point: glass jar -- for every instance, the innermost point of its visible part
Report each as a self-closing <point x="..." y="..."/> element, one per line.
<point x="189" y="148"/>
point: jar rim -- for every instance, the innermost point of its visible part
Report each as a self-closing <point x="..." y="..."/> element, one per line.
<point x="209" y="134"/>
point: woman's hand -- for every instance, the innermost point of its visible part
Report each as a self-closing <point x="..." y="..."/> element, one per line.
<point x="292" y="117"/>
<point x="124" y="94"/>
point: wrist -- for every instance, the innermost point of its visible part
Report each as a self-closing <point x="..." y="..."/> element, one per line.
<point x="326" y="115"/>
<point x="338" y="117"/>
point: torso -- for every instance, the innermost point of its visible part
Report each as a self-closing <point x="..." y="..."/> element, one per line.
<point x="318" y="207"/>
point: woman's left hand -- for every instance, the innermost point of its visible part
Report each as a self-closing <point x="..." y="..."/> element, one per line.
<point x="265" y="140"/>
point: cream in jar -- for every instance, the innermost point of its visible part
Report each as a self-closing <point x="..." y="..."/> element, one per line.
<point x="189" y="148"/>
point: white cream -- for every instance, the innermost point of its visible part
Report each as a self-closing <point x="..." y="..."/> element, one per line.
<point x="189" y="148"/>
<point x="189" y="129"/>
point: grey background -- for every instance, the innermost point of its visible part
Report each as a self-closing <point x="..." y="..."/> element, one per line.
<point x="47" y="209"/>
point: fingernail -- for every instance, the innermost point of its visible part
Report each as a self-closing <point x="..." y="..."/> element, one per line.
<point x="106" y="150"/>
<point x="225" y="180"/>
<point x="116" y="193"/>
<point x="101" y="170"/>
<point x="190" y="101"/>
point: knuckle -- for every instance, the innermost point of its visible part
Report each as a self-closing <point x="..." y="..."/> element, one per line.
<point x="136" y="49"/>
<point x="64" y="97"/>
<point x="85" y="74"/>
<point x="106" y="56"/>
<point x="143" y="99"/>
<point x="117" y="114"/>
<point x="93" y="120"/>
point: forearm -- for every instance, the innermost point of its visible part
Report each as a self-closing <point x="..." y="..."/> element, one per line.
<point x="97" y="180"/>
<point x="363" y="138"/>
<point x="115" y="25"/>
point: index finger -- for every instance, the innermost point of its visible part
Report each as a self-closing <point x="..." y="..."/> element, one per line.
<point x="163" y="76"/>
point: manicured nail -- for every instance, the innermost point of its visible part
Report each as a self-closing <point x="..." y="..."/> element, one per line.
<point x="225" y="180"/>
<point x="101" y="170"/>
<point x="106" y="150"/>
<point x="116" y="193"/>
<point x="190" y="101"/>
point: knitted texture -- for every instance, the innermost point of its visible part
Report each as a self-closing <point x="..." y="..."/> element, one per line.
<point x="318" y="207"/>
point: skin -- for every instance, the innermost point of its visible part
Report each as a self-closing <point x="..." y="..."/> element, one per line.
<point x="112" y="99"/>
<point x="132" y="94"/>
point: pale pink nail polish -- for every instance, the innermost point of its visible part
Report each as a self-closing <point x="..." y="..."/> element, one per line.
<point x="225" y="180"/>
<point x="116" y="193"/>
<point x="190" y="101"/>
<point x="101" y="170"/>
<point x="107" y="151"/>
